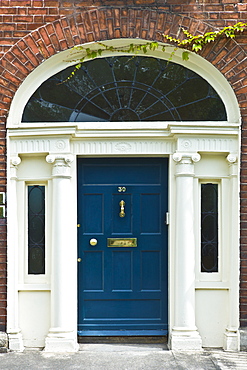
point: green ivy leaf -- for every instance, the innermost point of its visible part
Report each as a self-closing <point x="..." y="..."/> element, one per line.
<point x="94" y="54"/>
<point x="131" y="48"/>
<point x="145" y="49"/>
<point x="196" y="47"/>
<point x="185" y="55"/>
<point x="209" y="38"/>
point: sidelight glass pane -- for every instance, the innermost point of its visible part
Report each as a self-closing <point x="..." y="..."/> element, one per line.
<point x="36" y="229"/>
<point x="209" y="227"/>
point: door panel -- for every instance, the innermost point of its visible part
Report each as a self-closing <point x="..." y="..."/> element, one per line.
<point x="122" y="279"/>
<point x="93" y="221"/>
<point x="122" y="287"/>
<point x="150" y="223"/>
<point x="93" y="278"/>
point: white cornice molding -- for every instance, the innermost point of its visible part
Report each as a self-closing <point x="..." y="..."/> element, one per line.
<point x="109" y="128"/>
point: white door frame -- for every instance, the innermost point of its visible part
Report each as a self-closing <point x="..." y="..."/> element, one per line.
<point x="59" y="144"/>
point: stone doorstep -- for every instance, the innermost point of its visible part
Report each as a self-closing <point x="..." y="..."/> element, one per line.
<point x="88" y="340"/>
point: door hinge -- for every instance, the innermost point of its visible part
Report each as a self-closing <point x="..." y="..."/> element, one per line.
<point x="167" y="218"/>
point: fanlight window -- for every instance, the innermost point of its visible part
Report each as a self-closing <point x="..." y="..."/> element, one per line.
<point x="125" y="88"/>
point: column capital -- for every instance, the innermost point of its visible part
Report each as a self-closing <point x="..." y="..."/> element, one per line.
<point x="67" y="158"/>
<point x="185" y="163"/>
<point x="14" y="163"/>
<point x="232" y="160"/>
<point x="61" y="164"/>
<point x="186" y="157"/>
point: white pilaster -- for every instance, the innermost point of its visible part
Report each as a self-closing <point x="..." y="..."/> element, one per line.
<point x="232" y="336"/>
<point x="13" y="330"/>
<point x="62" y="335"/>
<point x="184" y="334"/>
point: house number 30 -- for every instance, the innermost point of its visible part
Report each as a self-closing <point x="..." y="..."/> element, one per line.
<point x="121" y="189"/>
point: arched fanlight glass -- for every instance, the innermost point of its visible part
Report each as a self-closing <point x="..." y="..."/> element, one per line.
<point x="125" y="88"/>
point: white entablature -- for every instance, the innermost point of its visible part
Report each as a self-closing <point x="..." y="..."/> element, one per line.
<point x="126" y="138"/>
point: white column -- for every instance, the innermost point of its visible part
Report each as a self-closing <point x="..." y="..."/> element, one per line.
<point x="184" y="334"/>
<point x="62" y="335"/>
<point x="13" y="330"/>
<point x="231" y="337"/>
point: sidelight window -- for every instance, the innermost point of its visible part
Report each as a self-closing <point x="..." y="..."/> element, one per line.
<point x="36" y="229"/>
<point x="209" y="228"/>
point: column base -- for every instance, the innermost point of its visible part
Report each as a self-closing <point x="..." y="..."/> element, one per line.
<point x="231" y="340"/>
<point x="185" y="339"/>
<point x="16" y="341"/>
<point x="3" y="342"/>
<point x="59" y="340"/>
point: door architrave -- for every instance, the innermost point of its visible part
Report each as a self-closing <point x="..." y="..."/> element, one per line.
<point x="121" y="139"/>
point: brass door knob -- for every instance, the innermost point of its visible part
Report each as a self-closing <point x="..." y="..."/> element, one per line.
<point x="93" y="242"/>
<point x="78" y="259"/>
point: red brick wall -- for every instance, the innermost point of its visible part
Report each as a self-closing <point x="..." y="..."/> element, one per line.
<point x="20" y="17"/>
<point x="32" y="30"/>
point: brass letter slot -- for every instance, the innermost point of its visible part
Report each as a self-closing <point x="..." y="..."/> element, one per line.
<point x="120" y="243"/>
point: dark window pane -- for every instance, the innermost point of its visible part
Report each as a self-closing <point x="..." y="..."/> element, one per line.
<point x="36" y="229"/>
<point x="125" y="89"/>
<point x="209" y="228"/>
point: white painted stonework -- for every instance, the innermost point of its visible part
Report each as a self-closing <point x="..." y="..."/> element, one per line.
<point x="203" y="308"/>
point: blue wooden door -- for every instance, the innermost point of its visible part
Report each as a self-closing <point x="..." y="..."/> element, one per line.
<point x="122" y="280"/>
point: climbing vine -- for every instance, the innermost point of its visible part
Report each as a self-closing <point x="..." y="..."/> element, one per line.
<point x="196" y="43"/>
<point x="190" y="42"/>
<point x="88" y="53"/>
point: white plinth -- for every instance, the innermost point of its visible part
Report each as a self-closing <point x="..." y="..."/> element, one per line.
<point x="185" y="340"/>
<point x="232" y="340"/>
<point x="61" y="341"/>
<point x="16" y="342"/>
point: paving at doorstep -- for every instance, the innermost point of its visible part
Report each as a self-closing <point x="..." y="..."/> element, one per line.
<point x="124" y="357"/>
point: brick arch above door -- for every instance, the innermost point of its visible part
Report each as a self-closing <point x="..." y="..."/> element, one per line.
<point x="106" y="24"/>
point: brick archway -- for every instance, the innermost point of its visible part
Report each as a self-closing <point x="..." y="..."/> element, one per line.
<point x="105" y="24"/>
<point x="90" y="25"/>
